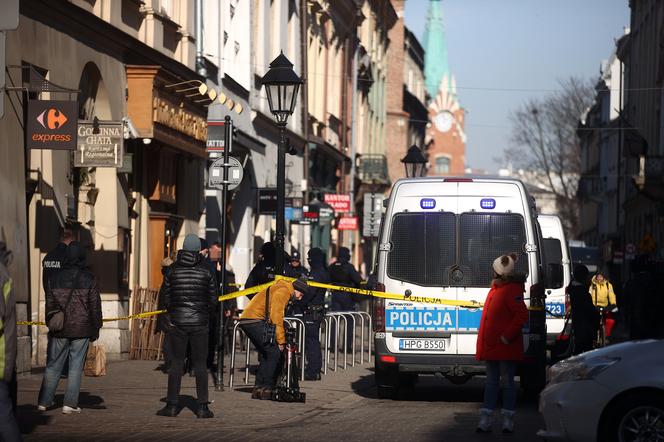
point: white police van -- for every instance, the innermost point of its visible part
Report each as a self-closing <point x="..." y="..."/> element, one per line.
<point x="438" y="239"/>
<point x="557" y="255"/>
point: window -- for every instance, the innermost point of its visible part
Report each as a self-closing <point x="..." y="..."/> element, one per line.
<point x="425" y="251"/>
<point x="442" y="165"/>
<point x="423" y="246"/>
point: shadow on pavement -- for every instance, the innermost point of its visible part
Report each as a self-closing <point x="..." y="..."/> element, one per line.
<point x="29" y="417"/>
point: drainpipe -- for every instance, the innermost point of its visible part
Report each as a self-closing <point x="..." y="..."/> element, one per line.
<point x="353" y="135"/>
<point x="200" y="62"/>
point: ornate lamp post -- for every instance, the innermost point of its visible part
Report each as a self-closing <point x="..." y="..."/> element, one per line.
<point x="282" y="85"/>
<point x="414" y="162"/>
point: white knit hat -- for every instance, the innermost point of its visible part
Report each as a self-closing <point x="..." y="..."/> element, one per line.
<point x="504" y="265"/>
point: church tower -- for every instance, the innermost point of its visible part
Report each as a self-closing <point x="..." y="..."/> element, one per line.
<point x="446" y="137"/>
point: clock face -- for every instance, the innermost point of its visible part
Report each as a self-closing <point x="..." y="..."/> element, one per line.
<point x="443" y="121"/>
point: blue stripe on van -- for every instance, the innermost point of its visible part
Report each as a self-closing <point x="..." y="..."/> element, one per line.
<point x="423" y="318"/>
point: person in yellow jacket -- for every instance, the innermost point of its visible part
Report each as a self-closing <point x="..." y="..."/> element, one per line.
<point x="253" y="321"/>
<point x="601" y="291"/>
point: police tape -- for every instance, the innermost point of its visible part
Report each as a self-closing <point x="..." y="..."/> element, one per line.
<point x="471" y="305"/>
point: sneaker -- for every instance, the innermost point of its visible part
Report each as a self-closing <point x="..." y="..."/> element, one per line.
<point x="204" y="412"/>
<point x="70" y="410"/>
<point x="168" y="411"/>
<point x="508" y="421"/>
<point x="41" y="407"/>
<point x="484" y="425"/>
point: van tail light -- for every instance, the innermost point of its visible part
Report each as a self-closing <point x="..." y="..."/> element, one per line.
<point x="388" y="359"/>
<point x="379" y="310"/>
<point x="568" y="305"/>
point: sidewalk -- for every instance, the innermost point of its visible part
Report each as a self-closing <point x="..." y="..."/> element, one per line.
<point x="122" y="406"/>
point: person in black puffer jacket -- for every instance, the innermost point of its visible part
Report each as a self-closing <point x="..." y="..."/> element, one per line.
<point x="188" y="293"/>
<point x="73" y="291"/>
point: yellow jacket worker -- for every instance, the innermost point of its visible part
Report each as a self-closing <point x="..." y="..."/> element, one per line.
<point x="601" y="291"/>
<point x="253" y="323"/>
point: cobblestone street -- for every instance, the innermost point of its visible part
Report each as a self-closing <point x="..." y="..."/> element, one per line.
<point x="122" y="406"/>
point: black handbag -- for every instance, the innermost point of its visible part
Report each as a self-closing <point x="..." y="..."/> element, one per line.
<point x="55" y="319"/>
<point x="269" y="329"/>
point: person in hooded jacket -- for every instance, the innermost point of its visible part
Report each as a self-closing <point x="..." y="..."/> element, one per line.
<point x="9" y="430"/>
<point x="500" y="341"/>
<point x="189" y="294"/>
<point x="263" y="271"/>
<point x="313" y="307"/>
<point x="73" y="291"/>
<point x="343" y="273"/>
<point x="585" y="318"/>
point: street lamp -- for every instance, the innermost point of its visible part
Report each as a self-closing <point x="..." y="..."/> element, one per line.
<point x="414" y="162"/>
<point x="281" y="85"/>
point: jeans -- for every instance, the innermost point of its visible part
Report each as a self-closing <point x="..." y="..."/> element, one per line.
<point x="270" y="355"/>
<point x="61" y="350"/>
<point x="494" y="371"/>
<point x="197" y="337"/>
<point x="9" y="430"/>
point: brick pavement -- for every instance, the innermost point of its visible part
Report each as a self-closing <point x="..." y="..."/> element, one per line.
<point x="121" y="406"/>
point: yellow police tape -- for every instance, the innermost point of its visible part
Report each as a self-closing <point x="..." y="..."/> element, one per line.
<point x="338" y="288"/>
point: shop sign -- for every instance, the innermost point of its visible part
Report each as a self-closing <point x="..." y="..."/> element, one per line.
<point x="52" y="124"/>
<point x="310" y="214"/>
<point x="294" y="214"/>
<point x="100" y="144"/>
<point x="325" y="214"/>
<point x="339" y="202"/>
<point x="215" y="136"/>
<point x="347" y="223"/>
<point x="179" y="118"/>
<point x="267" y="201"/>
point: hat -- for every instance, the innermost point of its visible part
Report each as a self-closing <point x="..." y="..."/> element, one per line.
<point x="300" y="284"/>
<point x="344" y="254"/>
<point x="191" y="243"/>
<point x="295" y="255"/>
<point x="504" y="265"/>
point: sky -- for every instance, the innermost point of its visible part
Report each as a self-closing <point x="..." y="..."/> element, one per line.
<point x="504" y="52"/>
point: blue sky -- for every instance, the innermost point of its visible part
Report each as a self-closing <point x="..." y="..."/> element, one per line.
<point x="517" y="44"/>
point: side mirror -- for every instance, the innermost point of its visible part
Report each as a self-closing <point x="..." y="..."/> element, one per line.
<point x="555" y="277"/>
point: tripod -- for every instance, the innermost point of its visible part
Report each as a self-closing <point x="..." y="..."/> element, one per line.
<point x="288" y="385"/>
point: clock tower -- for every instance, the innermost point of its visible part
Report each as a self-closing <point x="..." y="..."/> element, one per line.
<point x="445" y="137"/>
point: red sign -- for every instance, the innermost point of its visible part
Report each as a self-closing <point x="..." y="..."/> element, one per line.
<point x="339" y="202"/>
<point x="347" y="223"/>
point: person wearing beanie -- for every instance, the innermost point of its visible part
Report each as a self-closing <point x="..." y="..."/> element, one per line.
<point x="343" y="273"/>
<point x="500" y="341"/>
<point x="585" y="319"/>
<point x="253" y="321"/>
<point x="295" y="269"/>
<point x="189" y="294"/>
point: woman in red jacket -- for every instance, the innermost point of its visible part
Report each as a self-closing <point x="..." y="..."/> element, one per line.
<point x="500" y="342"/>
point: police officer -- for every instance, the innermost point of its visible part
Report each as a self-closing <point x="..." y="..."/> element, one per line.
<point x="263" y="271"/>
<point x="344" y="274"/>
<point x="53" y="260"/>
<point x="314" y="314"/>
<point x="296" y="269"/>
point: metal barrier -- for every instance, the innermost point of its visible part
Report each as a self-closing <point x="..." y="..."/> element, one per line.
<point x="333" y="330"/>
<point x="301" y="339"/>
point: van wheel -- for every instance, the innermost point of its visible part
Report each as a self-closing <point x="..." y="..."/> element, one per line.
<point x="533" y="378"/>
<point x="386" y="392"/>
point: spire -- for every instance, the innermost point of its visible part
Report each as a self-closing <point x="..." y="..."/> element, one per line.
<point x="435" y="57"/>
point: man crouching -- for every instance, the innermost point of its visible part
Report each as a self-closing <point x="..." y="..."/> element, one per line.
<point x="263" y="322"/>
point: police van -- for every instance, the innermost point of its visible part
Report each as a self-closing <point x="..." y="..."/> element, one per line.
<point x="438" y="239"/>
<point x="556" y="252"/>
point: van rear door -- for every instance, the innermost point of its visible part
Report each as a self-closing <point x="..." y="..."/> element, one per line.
<point x="422" y="238"/>
<point x="491" y="223"/>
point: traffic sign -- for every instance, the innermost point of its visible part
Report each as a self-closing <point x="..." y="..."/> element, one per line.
<point x="216" y="173"/>
<point x="373" y="206"/>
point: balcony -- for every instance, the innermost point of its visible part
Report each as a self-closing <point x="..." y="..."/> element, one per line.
<point x="373" y="169"/>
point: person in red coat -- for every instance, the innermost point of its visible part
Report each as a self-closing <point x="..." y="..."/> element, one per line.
<point x="500" y="341"/>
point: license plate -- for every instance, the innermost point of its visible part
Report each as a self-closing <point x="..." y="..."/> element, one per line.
<point x="421" y="344"/>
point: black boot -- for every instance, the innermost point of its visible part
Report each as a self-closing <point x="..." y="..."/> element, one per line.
<point x="168" y="411"/>
<point x="204" y="412"/>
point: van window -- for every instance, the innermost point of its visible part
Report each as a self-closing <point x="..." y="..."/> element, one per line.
<point x="484" y="237"/>
<point x="423" y="248"/>
<point x="553" y="253"/>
